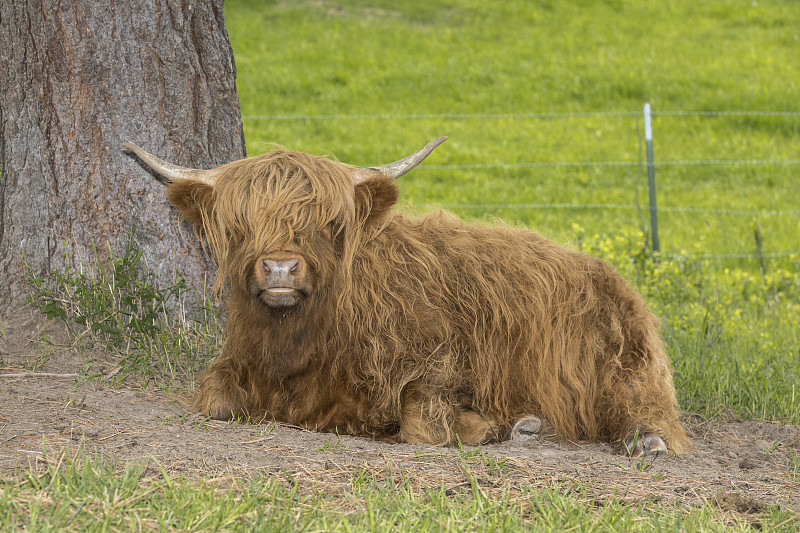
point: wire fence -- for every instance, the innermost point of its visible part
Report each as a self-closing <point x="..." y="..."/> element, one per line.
<point x="460" y="116"/>
<point x="618" y="163"/>
<point x="626" y="207"/>
<point x="639" y="162"/>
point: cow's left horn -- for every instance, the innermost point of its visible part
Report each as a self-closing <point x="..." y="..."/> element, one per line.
<point x="398" y="168"/>
<point x="171" y="172"/>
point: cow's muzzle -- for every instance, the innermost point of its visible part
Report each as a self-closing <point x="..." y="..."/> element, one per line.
<point x="281" y="279"/>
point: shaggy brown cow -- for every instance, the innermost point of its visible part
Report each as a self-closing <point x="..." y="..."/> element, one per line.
<point x="347" y="316"/>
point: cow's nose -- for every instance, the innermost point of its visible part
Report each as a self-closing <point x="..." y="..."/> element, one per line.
<point x="281" y="269"/>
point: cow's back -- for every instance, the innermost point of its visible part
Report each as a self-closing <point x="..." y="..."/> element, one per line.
<point x="498" y="315"/>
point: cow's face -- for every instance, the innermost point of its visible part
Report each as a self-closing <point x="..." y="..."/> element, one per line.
<point x="276" y="225"/>
<point x="282" y="226"/>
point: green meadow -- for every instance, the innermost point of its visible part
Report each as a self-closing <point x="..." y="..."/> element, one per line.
<point x="90" y="495"/>
<point x="491" y="76"/>
<point x="542" y="102"/>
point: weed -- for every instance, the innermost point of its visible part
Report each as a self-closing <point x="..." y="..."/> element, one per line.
<point x="642" y="463"/>
<point x="769" y="451"/>
<point x="171" y="420"/>
<point x="266" y="429"/>
<point x="361" y="480"/>
<point x="43" y="352"/>
<point x="631" y="444"/>
<point x="74" y="403"/>
<point x="487" y="462"/>
<point x="637" y="464"/>
<point x="238" y="419"/>
<point x="332" y="445"/>
<point x="117" y="304"/>
<point x="793" y="469"/>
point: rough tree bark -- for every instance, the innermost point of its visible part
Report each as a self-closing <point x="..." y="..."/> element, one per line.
<point x="79" y="77"/>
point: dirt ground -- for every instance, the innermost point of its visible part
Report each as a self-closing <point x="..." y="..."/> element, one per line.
<point x="740" y="466"/>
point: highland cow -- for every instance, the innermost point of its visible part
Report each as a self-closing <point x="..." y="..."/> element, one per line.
<point x="346" y="315"/>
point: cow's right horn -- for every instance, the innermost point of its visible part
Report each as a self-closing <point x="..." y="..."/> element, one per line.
<point x="398" y="168"/>
<point x="170" y="172"/>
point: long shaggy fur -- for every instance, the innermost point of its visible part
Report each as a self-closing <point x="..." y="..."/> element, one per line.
<point x="418" y="329"/>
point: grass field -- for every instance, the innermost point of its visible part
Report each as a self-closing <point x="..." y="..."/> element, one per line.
<point x="84" y="493"/>
<point x="517" y="58"/>
<point x="732" y="325"/>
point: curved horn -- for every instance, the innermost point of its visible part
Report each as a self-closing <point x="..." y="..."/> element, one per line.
<point x="398" y="168"/>
<point x="171" y="172"/>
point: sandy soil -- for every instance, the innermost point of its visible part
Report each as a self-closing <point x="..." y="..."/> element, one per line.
<point x="740" y="466"/>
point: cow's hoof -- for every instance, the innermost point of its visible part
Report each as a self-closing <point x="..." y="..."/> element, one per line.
<point x="646" y="444"/>
<point x="530" y="427"/>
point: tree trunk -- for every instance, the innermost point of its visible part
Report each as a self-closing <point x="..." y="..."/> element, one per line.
<point x="79" y="77"/>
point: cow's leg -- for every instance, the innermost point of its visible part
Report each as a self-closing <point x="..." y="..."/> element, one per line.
<point x="219" y="394"/>
<point x="526" y="428"/>
<point x="639" y="411"/>
<point x="421" y="421"/>
<point x="632" y="390"/>
<point x="436" y="420"/>
<point x="645" y="444"/>
<point x="530" y="427"/>
<point x="473" y="428"/>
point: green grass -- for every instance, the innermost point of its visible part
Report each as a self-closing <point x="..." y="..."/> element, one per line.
<point x="733" y="335"/>
<point x="84" y="493"/>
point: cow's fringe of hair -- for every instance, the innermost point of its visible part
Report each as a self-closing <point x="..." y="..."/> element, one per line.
<point x="267" y="203"/>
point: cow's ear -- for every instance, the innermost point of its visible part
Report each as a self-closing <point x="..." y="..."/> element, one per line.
<point x="192" y="199"/>
<point x="375" y="198"/>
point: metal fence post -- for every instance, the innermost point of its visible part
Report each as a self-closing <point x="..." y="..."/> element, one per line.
<point x="651" y="176"/>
